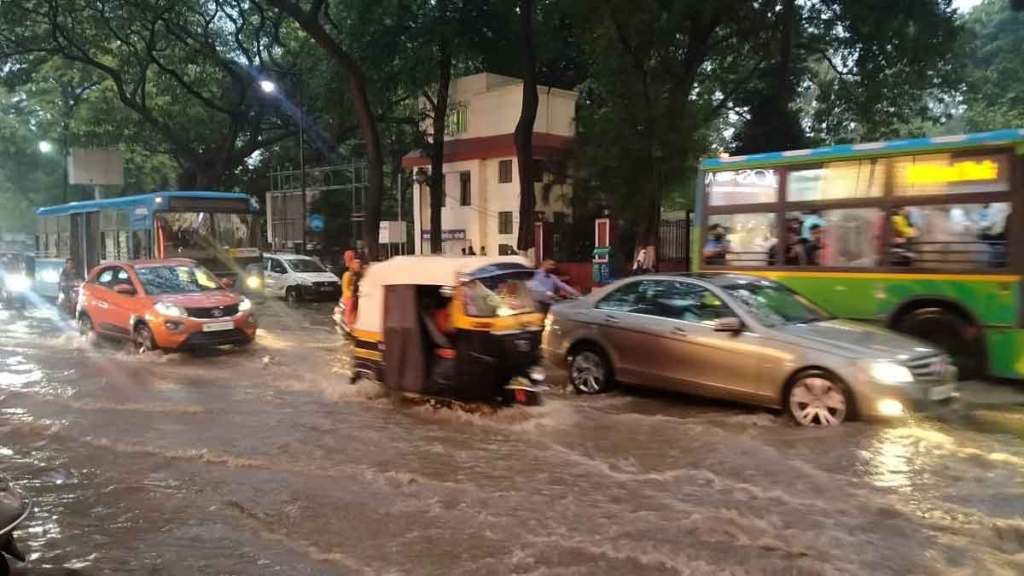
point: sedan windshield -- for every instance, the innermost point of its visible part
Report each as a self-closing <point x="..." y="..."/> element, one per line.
<point x="302" y="265"/>
<point x="176" y="279"/>
<point x="773" y="304"/>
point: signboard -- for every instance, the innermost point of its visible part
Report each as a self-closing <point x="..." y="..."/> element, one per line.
<point x="446" y="235"/>
<point x="316" y="222"/>
<point x="392" y="232"/>
<point x="95" y="167"/>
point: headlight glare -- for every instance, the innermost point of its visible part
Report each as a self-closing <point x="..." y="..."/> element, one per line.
<point x="244" y="305"/>
<point x="18" y="282"/>
<point x="168" y="309"/>
<point x="890" y="372"/>
<point x="254" y="282"/>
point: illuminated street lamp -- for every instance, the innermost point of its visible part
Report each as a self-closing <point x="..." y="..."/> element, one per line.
<point x="270" y="87"/>
<point x="45" y="147"/>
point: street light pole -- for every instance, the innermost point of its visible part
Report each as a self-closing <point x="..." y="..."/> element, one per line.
<point x="64" y="158"/>
<point x="302" y="161"/>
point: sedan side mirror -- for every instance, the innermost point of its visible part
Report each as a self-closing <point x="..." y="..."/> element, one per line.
<point x="729" y="324"/>
<point x="125" y="289"/>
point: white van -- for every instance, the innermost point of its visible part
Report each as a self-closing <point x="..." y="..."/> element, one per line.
<point x="296" y="277"/>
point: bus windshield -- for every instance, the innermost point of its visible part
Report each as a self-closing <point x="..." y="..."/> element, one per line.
<point x="185" y="233"/>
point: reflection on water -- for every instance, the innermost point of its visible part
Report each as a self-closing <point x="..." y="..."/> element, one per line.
<point x="267" y="461"/>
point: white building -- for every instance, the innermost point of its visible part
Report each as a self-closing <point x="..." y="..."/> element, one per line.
<point x="481" y="207"/>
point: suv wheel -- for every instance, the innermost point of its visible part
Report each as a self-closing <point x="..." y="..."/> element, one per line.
<point x="143" y="340"/>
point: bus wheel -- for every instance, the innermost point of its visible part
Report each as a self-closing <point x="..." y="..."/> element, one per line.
<point x="951" y="332"/>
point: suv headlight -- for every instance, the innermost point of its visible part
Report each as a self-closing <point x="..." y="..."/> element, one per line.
<point x="888" y="372"/>
<point x="254" y="282"/>
<point x="168" y="309"/>
<point x="244" y="305"/>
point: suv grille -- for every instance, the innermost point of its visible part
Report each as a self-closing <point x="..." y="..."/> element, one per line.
<point x="215" y="312"/>
<point x="933" y="367"/>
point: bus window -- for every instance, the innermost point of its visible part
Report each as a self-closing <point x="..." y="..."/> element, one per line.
<point x="836" y="181"/>
<point x="739" y="239"/>
<point x="849" y="237"/>
<point x="730" y="188"/>
<point x="140" y="244"/>
<point x="951" y="236"/>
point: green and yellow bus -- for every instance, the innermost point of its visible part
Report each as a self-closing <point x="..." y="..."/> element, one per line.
<point x="913" y="234"/>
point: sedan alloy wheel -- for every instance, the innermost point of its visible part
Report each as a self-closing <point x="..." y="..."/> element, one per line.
<point x="588" y="372"/>
<point x="815" y="400"/>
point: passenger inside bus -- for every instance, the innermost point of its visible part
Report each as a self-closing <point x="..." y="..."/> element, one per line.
<point x="794" y="248"/>
<point x="717" y="246"/>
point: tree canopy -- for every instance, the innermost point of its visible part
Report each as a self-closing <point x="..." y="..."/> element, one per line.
<point x="173" y="84"/>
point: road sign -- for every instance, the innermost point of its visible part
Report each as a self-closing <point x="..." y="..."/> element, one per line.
<point x="316" y="222"/>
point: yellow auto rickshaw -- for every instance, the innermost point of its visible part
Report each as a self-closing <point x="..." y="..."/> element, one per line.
<point x="458" y="328"/>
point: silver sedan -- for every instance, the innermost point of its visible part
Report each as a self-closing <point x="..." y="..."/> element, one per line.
<point x="747" y="339"/>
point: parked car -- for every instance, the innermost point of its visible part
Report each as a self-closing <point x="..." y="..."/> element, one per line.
<point x="164" y="304"/>
<point x="743" y="338"/>
<point x="295" y="277"/>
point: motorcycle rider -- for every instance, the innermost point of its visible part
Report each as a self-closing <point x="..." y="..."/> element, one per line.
<point x="547" y="287"/>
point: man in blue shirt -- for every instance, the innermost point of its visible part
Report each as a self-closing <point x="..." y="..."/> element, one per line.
<point x="545" y="286"/>
<point x="717" y="247"/>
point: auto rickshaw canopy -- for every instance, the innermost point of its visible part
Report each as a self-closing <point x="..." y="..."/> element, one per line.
<point x="423" y="271"/>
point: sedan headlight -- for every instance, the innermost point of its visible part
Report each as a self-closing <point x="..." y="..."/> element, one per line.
<point x="18" y="282"/>
<point x="254" y="282"/>
<point x="890" y="372"/>
<point x="244" y="305"/>
<point x="168" y="309"/>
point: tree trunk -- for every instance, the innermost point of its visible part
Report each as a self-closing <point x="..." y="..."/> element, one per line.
<point x="374" y="162"/>
<point x="524" y="130"/>
<point x="440" y="120"/>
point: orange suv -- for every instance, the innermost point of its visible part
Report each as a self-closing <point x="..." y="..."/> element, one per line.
<point x="164" y="304"/>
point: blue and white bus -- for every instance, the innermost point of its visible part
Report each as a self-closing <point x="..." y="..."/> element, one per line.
<point x="217" y="229"/>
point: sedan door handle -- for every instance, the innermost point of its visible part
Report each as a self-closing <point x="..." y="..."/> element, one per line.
<point x="679" y="331"/>
<point x="102" y="303"/>
<point x="612" y="320"/>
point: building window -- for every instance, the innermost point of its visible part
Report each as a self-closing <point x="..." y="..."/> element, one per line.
<point x="457" y="121"/>
<point x="505" y="171"/>
<point x="538" y="170"/>
<point x="504" y="222"/>
<point x="465" y="193"/>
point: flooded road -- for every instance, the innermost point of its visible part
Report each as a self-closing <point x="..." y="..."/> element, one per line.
<point x="267" y="461"/>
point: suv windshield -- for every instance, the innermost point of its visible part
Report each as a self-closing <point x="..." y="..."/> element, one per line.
<point x="774" y="304"/>
<point x="302" y="265"/>
<point x="176" y="279"/>
<point x="498" y="296"/>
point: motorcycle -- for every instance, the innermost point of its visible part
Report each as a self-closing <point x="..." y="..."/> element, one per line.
<point x="14" y="508"/>
<point x="67" y="299"/>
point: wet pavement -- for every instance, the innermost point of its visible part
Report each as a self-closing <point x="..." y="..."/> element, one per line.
<point x="267" y="461"/>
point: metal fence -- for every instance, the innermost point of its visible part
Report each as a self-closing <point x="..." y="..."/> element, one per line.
<point x="674" y="241"/>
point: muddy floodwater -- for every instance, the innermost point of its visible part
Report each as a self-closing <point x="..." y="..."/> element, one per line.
<point x="268" y="461"/>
